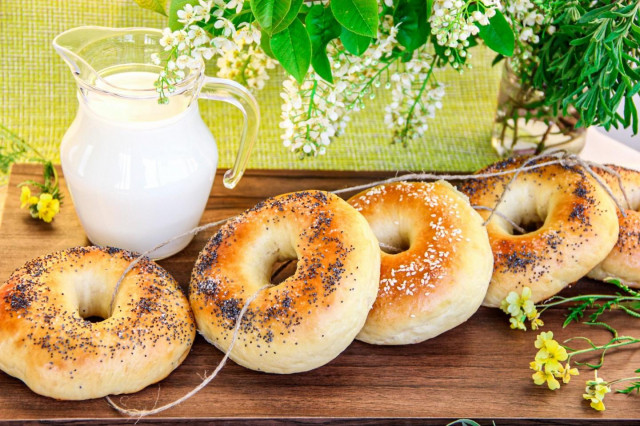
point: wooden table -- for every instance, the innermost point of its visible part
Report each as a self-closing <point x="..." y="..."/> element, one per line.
<point x="478" y="370"/>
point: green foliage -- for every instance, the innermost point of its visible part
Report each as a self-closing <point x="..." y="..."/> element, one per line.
<point x="591" y="61"/>
<point x="292" y="48"/>
<point x="322" y="28"/>
<point x="498" y="35"/>
<point x="174" y="7"/>
<point x="357" y="16"/>
<point x="11" y="150"/>
<point x="354" y="43"/>
<point x="353" y="22"/>
<point x="153" y="5"/>
<point x="577" y="312"/>
<point x="635" y="386"/>
<point x="464" y="422"/>
<point x="270" y="13"/>
<point x="292" y="14"/>
<point x="413" y="30"/>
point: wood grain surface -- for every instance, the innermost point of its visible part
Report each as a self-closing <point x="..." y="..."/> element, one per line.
<point x="479" y="370"/>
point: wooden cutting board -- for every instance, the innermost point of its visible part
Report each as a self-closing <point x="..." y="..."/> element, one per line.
<point x="479" y="370"/>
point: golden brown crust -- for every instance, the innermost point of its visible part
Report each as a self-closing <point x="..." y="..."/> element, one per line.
<point x="579" y="227"/>
<point x="623" y="262"/>
<point x="46" y="342"/>
<point x="440" y="280"/>
<point x="312" y="316"/>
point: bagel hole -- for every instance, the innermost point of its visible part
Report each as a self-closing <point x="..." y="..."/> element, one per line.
<point x="93" y="319"/>
<point x="398" y="247"/>
<point x="281" y="270"/>
<point x="528" y="226"/>
<point x="396" y="243"/>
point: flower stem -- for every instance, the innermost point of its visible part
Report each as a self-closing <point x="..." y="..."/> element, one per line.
<point x="419" y="95"/>
<point x="631" y="341"/>
<point x="17" y="139"/>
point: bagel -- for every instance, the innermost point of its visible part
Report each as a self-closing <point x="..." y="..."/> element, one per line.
<point x="308" y="319"/>
<point x="577" y="218"/>
<point x="440" y="280"/>
<point x="47" y="342"/>
<point x="623" y="262"/>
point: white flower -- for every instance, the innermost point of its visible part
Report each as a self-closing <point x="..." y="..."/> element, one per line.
<point x="413" y="103"/>
<point x="155" y="58"/>
<point x="235" y="4"/>
<point x="198" y="35"/>
<point x="181" y="39"/>
<point x="205" y="52"/>
<point x="206" y="9"/>
<point x="226" y="25"/>
<point x="168" y="40"/>
<point x="247" y="34"/>
<point x="223" y="44"/>
<point x="182" y="61"/>
<point x="247" y="65"/>
<point x="188" y="14"/>
<point x="526" y="34"/>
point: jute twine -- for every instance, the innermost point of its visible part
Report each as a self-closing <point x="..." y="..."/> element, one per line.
<point x="555" y="157"/>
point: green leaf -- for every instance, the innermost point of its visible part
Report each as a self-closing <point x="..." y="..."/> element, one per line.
<point x="265" y="44"/>
<point x="413" y="28"/>
<point x="152" y="5"/>
<point x="292" y="48"/>
<point x="429" y="8"/>
<point x="270" y="13"/>
<point x="322" y="28"/>
<point x="357" y="16"/>
<point x="292" y="14"/>
<point x="498" y="35"/>
<point x="175" y="6"/>
<point x="354" y="43"/>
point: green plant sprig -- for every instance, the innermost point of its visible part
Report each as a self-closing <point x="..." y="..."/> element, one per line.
<point x="628" y="301"/>
<point x="591" y="61"/>
<point x="551" y="353"/>
<point x="47" y="203"/>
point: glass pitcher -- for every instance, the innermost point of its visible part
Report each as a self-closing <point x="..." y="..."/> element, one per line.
<point x="140" y="172"/>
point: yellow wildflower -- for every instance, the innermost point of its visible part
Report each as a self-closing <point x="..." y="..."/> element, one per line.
<point x="595" y="391"/>
<point x="566" y="372"/>
<point x="543" y="338"/>
<point x="536" y="322"/>
<point x="521" y="308"/>
<point x="26" y="199"/>
<point x="48" y="207"/>
<point x="542" y="376"/>
<point x="514" y="303"/>
<point x="551" y="354"/>
<point x="516" y="323"/>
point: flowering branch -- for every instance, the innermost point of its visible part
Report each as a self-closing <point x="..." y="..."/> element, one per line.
<point x="47" y="203"/>
<point x="547" y="363"/>
<point x="333" y="59"/>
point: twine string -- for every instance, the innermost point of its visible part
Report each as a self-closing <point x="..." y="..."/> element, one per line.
<point x="559" y="157"/>
<point x="141" y="413"/>
<point x="194" y="231"/>
<point x="502" y="216"/>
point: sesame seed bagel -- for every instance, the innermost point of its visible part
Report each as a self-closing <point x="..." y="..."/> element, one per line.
<point x="440" y="280"/>
<point x="312" y="316"/>
<point x="578" y="227"/>
<point x="623" y="262"/>
<point x="46" y="342"/>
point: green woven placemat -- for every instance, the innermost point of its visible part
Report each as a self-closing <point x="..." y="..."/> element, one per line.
<point x="38" y="99"/>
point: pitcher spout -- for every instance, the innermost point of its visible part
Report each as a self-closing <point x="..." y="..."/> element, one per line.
<point x="90" y="51"/>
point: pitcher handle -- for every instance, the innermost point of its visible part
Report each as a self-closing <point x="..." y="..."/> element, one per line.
<point x="220" y="89"/>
